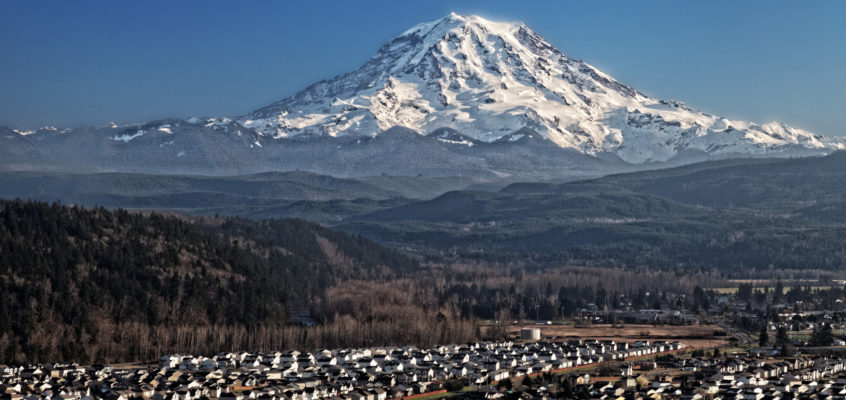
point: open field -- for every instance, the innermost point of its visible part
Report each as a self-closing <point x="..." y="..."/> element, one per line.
<point x="806" y="334"/>
<point x="697" y="336"/>
<point x="785" y="282"/>
<point x="732" y="290"/>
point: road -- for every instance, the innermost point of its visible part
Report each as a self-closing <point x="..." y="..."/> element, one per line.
<point x="742" y="337"/>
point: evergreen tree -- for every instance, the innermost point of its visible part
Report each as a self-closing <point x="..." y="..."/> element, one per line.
<point x="763" y="337"/>
<point x="781" y="336"/>
<point x="787" y="350"/>
<point x="822" y="335"/>
<point x="566" y="388"/>
<point x="744" y="291"/>
<point x="453" y="385"/>
<point x="779" y="290"/>
<point x="700" y="299"/>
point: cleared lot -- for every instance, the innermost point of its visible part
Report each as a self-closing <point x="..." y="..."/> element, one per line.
<point x="698" y="336"/>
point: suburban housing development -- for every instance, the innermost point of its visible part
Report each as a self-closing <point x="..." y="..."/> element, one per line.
<point x="361" y="374"/>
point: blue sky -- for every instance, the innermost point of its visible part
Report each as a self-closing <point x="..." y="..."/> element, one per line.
<point x="68" y="63"/>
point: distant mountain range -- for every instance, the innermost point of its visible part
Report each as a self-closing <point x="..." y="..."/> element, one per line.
<point x="736" y="214"/>
<point x="460" y="96"/>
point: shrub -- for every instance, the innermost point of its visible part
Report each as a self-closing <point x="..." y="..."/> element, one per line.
<point x="453" y="385"/>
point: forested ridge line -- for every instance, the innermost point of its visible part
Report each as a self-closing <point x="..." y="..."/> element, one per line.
<point x="78" y="283"/>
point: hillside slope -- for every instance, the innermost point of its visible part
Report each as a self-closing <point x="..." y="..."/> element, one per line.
<point x="95" y="276"/>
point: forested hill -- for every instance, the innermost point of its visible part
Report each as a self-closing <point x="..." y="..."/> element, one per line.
<point x="76" y="282"/>
<point x="732" y="215"/>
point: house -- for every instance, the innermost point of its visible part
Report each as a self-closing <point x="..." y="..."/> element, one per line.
<point x="379" y="394"/>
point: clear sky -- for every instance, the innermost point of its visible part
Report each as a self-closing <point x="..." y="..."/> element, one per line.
<point x="68" y="63"/>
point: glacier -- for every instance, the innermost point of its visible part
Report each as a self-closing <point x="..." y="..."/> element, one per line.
<point x="488" y="79"/>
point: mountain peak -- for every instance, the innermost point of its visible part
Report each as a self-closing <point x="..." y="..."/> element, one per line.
<point x="454" y="30"/>
<point x="483" y="78"/>
<point x="454" y="20"/>
<point x="488" y="79"/>
<point x="460" y="95"/>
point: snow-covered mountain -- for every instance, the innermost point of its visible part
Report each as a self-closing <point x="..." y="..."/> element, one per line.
<point x="488" y="79"/>
<point x="458" y="96"/>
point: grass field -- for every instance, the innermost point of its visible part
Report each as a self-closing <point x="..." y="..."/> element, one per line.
<point x="806" y="334"/>
<point x="732" y="290"/>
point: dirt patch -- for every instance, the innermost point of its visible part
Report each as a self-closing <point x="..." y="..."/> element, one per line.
<point x="697" y="336"/>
